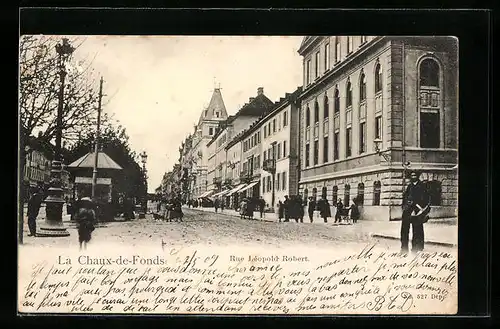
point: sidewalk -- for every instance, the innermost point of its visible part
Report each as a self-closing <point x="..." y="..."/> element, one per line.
<point x="437" y="232"/>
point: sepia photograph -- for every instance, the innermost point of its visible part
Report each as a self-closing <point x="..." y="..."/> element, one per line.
<point x="232" y="175"/>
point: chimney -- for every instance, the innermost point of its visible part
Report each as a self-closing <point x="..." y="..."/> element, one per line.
<point x="251" y="99"/>
<point x="260" y="90"/>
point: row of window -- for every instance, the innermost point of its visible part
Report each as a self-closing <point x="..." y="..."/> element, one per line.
<point x="280" y="149"/>
<point x="35" y="174"/>
<point x="280" y="182"/>
<point x="348" y="97"/>
<point x="251" y="142"/>
<point x="433" y="188"/>
<point x="273" y="126"/>
<point x="348" y="143"/>
<point x="349" y="43"/>
<point x="276" y="124"/>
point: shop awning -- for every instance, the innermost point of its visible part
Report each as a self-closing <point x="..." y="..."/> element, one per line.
<point x="249" y="186"/>
<point x="207" y="193"/>
<point x="220" y="193"/>
<point x="226" y="193"/>
<point x="234" y="190"/>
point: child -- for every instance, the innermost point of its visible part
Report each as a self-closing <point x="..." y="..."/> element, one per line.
<point x="85" y="218"/>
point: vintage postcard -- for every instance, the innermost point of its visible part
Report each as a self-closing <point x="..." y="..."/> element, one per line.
<point x="283" y="175"/>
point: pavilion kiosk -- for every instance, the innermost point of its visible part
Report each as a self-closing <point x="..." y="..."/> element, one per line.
<point x="82" y="173"/>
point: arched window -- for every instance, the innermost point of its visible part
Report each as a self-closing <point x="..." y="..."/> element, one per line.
<point x="348" y="97"/>
<point x="308" y="117"/>
<point x="326" y="108"/>
<point x="429" y="104"/>
<point x="434" y="190"/>
<point x="335" y="191"/>
<point x="361" y="194"/>
<point x="315" y="194"/>
<point x="377" y="188"/>
<point x="429" y="73"/>
<point x="362" y="87"/>
<point x="378" y="78"/>
<point x="347" y="194"/>
<point x="323" y="192"/>
<point x="306" y="194"/>
<point x="336" y="101"/>
<point x="316" y="112"/>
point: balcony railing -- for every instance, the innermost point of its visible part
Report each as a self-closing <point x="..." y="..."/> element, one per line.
<point x="269" y="165"/>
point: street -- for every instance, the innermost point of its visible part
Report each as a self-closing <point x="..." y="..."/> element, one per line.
<point x="220" y="230"/>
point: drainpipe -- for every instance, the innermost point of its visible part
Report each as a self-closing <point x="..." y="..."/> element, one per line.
<point x="403" y="155"/>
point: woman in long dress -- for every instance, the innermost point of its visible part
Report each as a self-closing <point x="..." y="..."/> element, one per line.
<point x="85" y="219"/>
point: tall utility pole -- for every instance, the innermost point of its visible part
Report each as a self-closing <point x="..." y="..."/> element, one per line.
<point x="98" y="135"/>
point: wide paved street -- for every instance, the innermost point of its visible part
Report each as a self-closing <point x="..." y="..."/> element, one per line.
<point x="219" y="230"/>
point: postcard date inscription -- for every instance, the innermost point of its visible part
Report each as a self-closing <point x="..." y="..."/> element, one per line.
<point x="192" y="281"/>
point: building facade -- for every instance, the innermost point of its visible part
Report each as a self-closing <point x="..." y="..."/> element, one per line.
<point x="37" y="165"/>
<point x="218" y="178"/>
<point x="374" y="108"/>
<point x="205" y="130"/>
<point x="270" y="153"/>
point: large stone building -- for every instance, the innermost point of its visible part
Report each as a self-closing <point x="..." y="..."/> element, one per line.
<point x="257" y="106"/>
<point x="372" y="108"/>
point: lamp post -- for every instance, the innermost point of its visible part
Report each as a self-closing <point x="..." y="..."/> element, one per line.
<point x="53" y="225"/>
<point x="387" y="157"/>
<point x="144" y="158"/>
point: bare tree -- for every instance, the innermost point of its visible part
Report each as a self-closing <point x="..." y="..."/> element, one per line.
<point x="39" y="85"/>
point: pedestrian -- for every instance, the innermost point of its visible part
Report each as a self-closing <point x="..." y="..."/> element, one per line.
<point x="216" y="204"/>
<point x="85" y="220"/>
<point x="262" y="204"/>
<point x="416" y="207"/>
<point x="287" y="209"/>
<point x="222" y="205"/>
<point x="243" y="208"/>
<point x="354" y="210"/>
<point x="281" y="210"/>
<point x="324" y="209"/>
<point x="301" y="206"/>
<point x="338" y="213"/>
<point x="34" y="204"/>
<point x="311" y="207"/>
<point x="177" y="207"/>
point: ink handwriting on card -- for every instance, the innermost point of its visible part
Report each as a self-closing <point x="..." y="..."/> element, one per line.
<point x="195" y="281"/>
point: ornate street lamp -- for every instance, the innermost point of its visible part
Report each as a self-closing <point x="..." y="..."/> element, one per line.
<point x="53" y="225"/>
<point x="144" y="159"/>
<point x="387" y="157"/>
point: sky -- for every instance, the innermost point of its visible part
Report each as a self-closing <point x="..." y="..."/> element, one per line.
<point x="157" y="86"/>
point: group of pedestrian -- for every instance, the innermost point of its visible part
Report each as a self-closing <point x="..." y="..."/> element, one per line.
<point x="291" y="208"/>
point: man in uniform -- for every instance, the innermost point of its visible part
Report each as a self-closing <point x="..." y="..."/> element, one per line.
<point x="415" y="207"/>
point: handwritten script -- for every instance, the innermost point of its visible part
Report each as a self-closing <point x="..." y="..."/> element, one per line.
<point x="202" y="280"/>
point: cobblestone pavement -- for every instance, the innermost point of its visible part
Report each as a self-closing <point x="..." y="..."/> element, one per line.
<point x="218" y="230"/>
